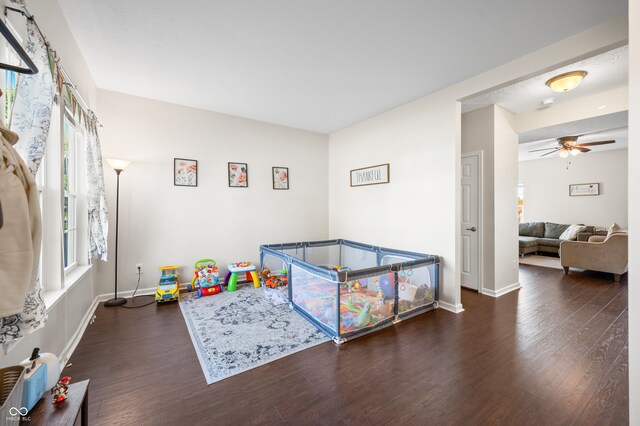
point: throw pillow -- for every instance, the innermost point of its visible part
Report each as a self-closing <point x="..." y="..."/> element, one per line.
<point x="613" y="229"/>
<point x="571" y="233"/>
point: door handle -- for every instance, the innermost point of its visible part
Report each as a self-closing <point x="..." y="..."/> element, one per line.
<point x="472" y="229"/>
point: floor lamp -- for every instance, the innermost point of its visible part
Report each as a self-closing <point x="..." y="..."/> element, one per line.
<point x="118" y="166"/>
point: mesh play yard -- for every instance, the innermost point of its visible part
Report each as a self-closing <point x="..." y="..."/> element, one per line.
<point x="348" y="289"/>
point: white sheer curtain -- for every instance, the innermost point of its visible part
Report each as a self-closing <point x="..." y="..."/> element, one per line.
<point x="96" y="199"/>
<point x="31" y="117"/>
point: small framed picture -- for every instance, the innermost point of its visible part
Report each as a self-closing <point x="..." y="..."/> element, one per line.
<point x="185" y="172"/>
<point x="582" y="189"/>
<point x="280" y="177"/>
<point x="238" y="175"/>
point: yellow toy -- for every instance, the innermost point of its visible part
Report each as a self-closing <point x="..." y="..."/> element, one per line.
<point x="168" y="288"/>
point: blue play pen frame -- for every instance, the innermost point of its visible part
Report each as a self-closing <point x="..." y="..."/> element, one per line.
<point x="298" y="260"/>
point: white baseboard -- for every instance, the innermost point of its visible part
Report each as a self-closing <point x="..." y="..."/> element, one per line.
<point x="456" y="309"/>
<point x="128" y="294"/>
<point x="502" y="291"/>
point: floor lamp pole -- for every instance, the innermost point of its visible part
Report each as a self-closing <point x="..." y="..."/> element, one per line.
<point x="116" y="301"/>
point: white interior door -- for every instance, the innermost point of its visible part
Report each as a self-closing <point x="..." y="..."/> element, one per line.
<point x="470" y="271"/>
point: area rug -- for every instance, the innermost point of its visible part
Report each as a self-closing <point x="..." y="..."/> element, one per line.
<point x="237" y="331"/>
<point x="544" y="261"/>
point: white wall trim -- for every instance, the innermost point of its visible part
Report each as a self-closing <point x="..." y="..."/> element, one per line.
<point x="502" y="291"/>
<point x="77" y="335"/>
<point x="456" y="309"/>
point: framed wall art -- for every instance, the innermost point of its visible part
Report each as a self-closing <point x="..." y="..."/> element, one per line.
<point x="238" y="175"/>
<point x="372" y="175"/>
<point x="582" y="189"/>
<point x="280" y="177"/>
<point x="185" y="172"/>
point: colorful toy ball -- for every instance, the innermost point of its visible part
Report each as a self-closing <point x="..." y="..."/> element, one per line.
<point x="387" y="285"/>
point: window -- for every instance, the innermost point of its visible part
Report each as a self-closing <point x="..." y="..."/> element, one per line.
<point x="40" y="184"/>
<point x="69" y="168"/>
<point x="521" y="202"/>
<point x="11" y="82"/>
<point x="10" y="77"/>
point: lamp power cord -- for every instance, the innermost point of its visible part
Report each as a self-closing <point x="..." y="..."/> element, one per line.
<point x="144" y="295"/>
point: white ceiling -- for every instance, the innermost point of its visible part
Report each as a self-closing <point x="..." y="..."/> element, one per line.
<point x="320" y="65"/>
<point x="607" y="71"/>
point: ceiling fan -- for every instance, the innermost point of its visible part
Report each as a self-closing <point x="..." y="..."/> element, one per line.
<point x="569" y="145"/>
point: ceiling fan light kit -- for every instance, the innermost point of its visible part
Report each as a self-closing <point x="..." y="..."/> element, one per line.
<point x="569" y="145"/>
<point x="567" y="81"/>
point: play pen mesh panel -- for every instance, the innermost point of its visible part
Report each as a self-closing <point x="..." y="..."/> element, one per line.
<point x="348" y="289"/>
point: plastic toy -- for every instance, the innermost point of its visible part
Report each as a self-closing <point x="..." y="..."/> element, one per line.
<point x="60" y="391"/>
<point x="168" y="288"/>
<point x="205" y="278"/>
<point x="365" y="315"/>
<point x="278" y="279"/>
<point x="231" y="280"/>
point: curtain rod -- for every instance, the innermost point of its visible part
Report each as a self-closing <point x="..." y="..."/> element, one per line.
<point x="24" y="12"/>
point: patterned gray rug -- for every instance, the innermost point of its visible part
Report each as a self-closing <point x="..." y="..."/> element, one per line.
<point x="238" y="331"/>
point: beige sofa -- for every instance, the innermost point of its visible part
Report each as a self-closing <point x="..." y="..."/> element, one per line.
<point x="604" y="254"/>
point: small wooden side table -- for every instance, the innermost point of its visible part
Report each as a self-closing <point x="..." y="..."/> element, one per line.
<point x="76" y="405"/>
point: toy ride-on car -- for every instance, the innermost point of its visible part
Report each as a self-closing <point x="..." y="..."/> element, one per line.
<point x="168" y="288"/>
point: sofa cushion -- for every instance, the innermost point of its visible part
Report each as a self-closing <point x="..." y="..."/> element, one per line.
<point x="613" y="229"/>
<point x="571" y="233"/>
<point x="554" y="230"/>
<point x="549" y="242"/>
<point x="527" y="241"/>
<point x="531" y="229"/>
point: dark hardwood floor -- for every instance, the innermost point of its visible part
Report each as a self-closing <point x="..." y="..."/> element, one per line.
<point x="554" y="352"/>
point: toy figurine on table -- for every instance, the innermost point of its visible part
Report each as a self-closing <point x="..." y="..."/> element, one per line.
<point x="168" y="288"/>
<point x="60" y="391"/>
<point x="205" y="279"/>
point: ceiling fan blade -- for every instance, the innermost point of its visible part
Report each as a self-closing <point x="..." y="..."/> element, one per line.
<point x="542" y="149"/>
<point x="555" y="150"/>
<point x="581" y="149"/>
<point x="596" y="143"/>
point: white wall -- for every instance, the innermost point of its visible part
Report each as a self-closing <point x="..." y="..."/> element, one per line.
<point x="546" y="189"/>
<point x="634" y="212"/>
<point x="505" y="202"/>
<point x="416" y="211"/>
<point x="490" y="130"/>
<point x="163" y="224"/>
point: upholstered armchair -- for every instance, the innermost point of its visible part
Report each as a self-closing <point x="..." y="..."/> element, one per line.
<point x="604" y="254"/>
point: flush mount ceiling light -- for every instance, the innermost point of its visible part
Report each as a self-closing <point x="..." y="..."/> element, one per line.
<point x="567" y="81"/>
